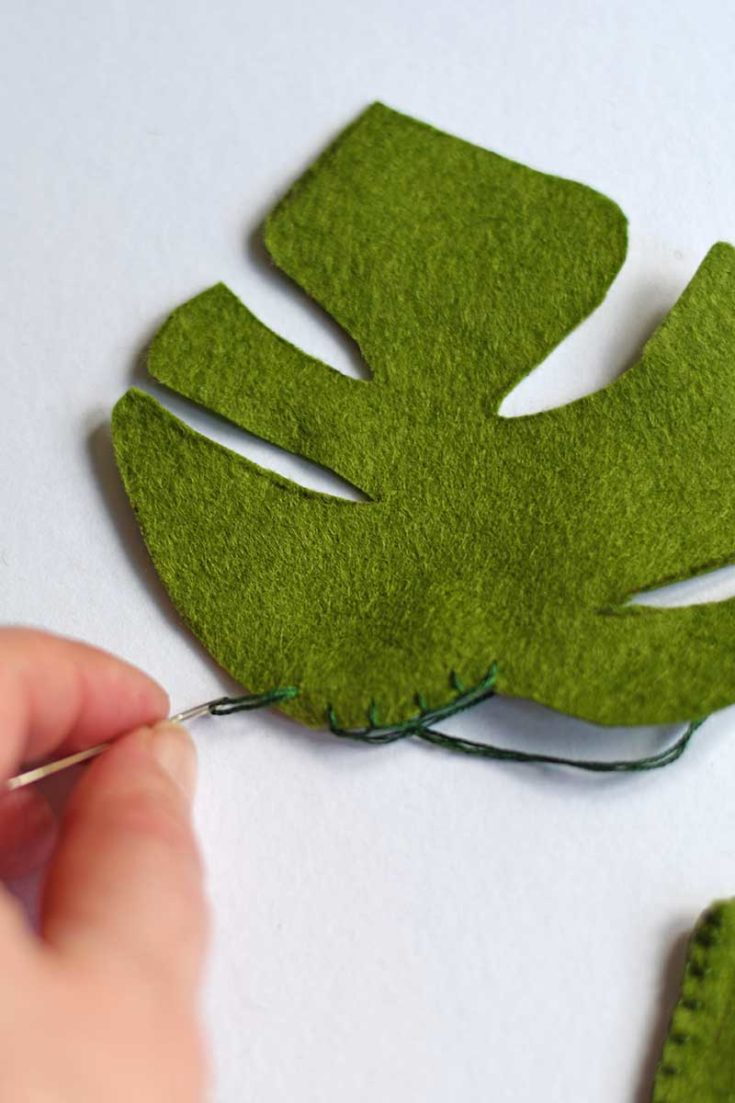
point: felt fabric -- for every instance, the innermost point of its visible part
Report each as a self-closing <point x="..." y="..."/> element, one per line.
<point x="698" y="1060"/>
<point x="483" y="539"/>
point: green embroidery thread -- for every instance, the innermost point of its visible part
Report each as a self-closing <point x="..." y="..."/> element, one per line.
<point x="224" y="706"/>
<point x="420" y="727"/>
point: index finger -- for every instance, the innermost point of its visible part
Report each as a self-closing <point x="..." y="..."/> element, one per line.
<point x="60" y="695"/>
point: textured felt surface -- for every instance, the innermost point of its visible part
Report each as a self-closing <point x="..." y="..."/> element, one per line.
<point x="698" y="1060"/>
<point x="484" y="539"/>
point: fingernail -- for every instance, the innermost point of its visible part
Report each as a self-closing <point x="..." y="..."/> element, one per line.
<point x="173" y="749"/>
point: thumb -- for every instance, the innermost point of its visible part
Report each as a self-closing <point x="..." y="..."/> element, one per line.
<point x="125" y="885"/>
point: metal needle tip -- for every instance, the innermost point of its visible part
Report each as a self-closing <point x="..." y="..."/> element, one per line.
<point x="38" y="773"/>
<point x="220" y="706"/>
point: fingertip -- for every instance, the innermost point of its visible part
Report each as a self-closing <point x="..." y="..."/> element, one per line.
<point x="65" y="694"/>
<point x="173" y="749"/>
<point x="141" y="700"/>
<point x="127" y="870"/>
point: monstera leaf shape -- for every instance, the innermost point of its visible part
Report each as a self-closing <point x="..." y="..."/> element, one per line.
<point x="483" y="539"/>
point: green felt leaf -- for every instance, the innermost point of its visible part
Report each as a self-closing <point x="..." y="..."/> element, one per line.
<point x="698" y="1060"/>
<point x="483" y="538"/>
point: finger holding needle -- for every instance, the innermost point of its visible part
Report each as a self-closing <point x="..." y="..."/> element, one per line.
<point x="114" y="973"/>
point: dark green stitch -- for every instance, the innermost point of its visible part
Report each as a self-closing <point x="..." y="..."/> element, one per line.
<point x="457" y="683"/>
<point x="420" y="727"/>
<point x="425" y="717"/>
<point x="669" y="1070"/>
<point x="223" y="706"/>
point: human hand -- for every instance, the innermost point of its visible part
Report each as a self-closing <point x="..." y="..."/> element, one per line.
<point x="102" y="1006"/>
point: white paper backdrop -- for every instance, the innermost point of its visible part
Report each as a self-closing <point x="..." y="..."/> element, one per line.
<point x="392" y="924"/>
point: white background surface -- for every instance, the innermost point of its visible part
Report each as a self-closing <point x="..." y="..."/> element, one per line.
<point x="393" y="924"/>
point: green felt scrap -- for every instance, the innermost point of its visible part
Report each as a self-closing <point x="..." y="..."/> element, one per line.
<point x="483" y="539"/>
<point x="698" y="1060"/>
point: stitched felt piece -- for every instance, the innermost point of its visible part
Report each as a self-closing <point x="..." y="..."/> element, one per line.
<point x="698" y="1060"/>
<point x="483" y="539"/>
